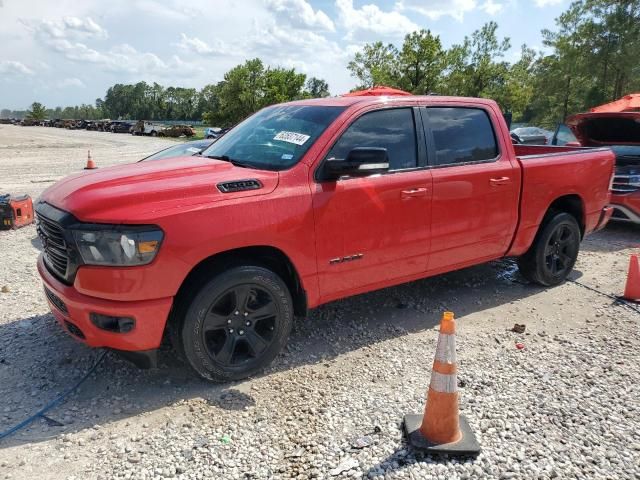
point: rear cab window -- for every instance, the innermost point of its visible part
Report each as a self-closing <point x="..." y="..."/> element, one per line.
<point x="460" y="135"/>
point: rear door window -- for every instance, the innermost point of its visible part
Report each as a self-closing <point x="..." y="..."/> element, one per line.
<point x="393" y="129"/>
<point x="461" y="135"/>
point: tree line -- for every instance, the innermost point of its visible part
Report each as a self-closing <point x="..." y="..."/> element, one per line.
<point x="588" y="59"/>
<point x="591" y="58"/>
<point x="244" y="89"/>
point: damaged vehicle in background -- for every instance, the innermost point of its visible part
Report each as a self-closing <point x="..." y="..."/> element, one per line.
<point x="621" y="132"/>
<point x="177" y="131"/>
<point x="531" y="135"/>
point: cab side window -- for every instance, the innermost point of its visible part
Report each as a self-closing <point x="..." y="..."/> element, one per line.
<point x="393" y="129"/>
<point x="461" y="135"/>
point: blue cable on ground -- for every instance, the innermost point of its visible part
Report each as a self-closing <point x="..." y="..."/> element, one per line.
<point x="53" y="403"/>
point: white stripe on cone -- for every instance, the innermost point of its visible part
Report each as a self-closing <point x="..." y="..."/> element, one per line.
<point x="443" y="383"/>
<point x="446" y="349"/>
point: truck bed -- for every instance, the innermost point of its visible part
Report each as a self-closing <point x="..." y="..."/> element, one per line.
<point x="583" y="173"/>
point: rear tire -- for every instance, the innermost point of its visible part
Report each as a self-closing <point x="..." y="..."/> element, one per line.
<point x="554" y="251"/>
<point x="236" y="324"/>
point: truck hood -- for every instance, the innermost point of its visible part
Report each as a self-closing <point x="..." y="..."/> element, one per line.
<point x="606" y="129"/>
<point x="138" y="192"/>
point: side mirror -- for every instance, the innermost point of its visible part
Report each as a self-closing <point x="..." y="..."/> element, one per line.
<point x="360" y="162"/>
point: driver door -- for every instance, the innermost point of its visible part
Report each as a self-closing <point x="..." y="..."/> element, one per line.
<point x="374" y="231"/>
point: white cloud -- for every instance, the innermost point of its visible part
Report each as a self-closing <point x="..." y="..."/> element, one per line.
<point x="308" y="52"/>
<point x="119" y="58"/>
<point x="491" y="8"/>
<point x="71" y="82"/>
<point x="300" y="14"/>
<point x="84" y="26"/>
<point x="435" y="9"/>
<point x="72" y="27"/>
<point x="372" y="19"/>
<point x="194" y="44"/>
<point x="13" y="67"/>
<point x="545" y="3"/>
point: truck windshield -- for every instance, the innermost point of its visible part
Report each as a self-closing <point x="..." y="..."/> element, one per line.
<point x="275" y="138"/>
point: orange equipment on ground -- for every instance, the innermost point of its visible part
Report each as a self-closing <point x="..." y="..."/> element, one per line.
<point x="15" y="212"/>
<point x="91" y="165"/>
<point x="441" y="429"/>
<point x="632" y="288"/>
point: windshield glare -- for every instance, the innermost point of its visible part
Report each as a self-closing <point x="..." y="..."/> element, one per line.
<point x="276" y="137"/>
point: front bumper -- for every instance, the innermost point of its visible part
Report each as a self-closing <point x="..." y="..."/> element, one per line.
<point x="627" y="206"/>
<point x="72" y="311"/>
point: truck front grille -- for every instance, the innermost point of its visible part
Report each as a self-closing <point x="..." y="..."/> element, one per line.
<point x="54" y="245"/>
<point x="621" y="184"/>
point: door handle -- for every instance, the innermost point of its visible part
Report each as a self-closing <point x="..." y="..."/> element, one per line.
<point x="500" y="181"/>
<point x="414" y="192"/>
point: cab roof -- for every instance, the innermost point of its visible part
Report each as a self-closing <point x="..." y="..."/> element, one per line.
<point x="343" y="101"/>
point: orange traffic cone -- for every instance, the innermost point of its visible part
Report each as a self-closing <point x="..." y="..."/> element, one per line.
<point x="91" y="165"/>
<point x="441" y="429"/>
<point x="632" y="289"/>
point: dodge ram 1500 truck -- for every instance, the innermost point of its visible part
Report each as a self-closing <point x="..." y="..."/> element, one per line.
<point x="301" y="204"/>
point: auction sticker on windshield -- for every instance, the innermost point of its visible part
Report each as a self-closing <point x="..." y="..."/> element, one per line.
<point x="292" y="137"/>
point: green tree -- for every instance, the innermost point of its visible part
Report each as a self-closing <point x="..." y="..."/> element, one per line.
<point x="37" y="112"/>
<point x="317" y="88"/>
<point x="281" y="85"/>
<point x="421" y="62"/>
<point x="240" y="93"/>
<point x="376" y="64"/>
<point x="519" y="86"/>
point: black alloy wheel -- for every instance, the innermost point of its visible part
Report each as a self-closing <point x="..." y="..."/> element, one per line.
<point x="561" y="251"/>
<point x="235" y="324"/>
<point x="240" y="325"/>
<point x="554" y="251"/>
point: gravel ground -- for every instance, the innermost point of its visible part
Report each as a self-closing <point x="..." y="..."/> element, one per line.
<point x="566" y="406"/>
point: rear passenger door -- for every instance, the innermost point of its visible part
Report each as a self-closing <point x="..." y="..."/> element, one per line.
<point x="475" y="187"/>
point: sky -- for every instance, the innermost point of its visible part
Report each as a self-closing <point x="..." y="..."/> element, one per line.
<point x="68" y="52"/>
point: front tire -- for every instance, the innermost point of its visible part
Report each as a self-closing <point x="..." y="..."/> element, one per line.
<point x="236" y="324"/>
<point x="554" y="252"/>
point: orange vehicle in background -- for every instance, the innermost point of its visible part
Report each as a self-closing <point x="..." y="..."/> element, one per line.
<point x="615" y="125"/>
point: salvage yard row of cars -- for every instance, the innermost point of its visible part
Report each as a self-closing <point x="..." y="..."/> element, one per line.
<point x="140" y="127"/>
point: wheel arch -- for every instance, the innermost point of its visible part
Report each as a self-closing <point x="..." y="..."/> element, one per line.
<point x="571" y="204"/>
<point x="266" y="256"/>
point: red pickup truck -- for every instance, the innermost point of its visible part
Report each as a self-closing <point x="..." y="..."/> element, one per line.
<point x="301" y="204"/>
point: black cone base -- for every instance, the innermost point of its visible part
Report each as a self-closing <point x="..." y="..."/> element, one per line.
<point x="466" y="446"/>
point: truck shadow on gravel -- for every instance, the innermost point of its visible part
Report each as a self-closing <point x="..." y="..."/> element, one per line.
<point x="38" y="360"/>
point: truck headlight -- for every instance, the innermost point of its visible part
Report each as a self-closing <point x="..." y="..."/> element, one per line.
<point x="121" y="246"/>
<point x="634" y="180"/>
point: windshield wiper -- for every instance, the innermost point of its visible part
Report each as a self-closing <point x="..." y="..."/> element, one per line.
<point x="226" y="158"/>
